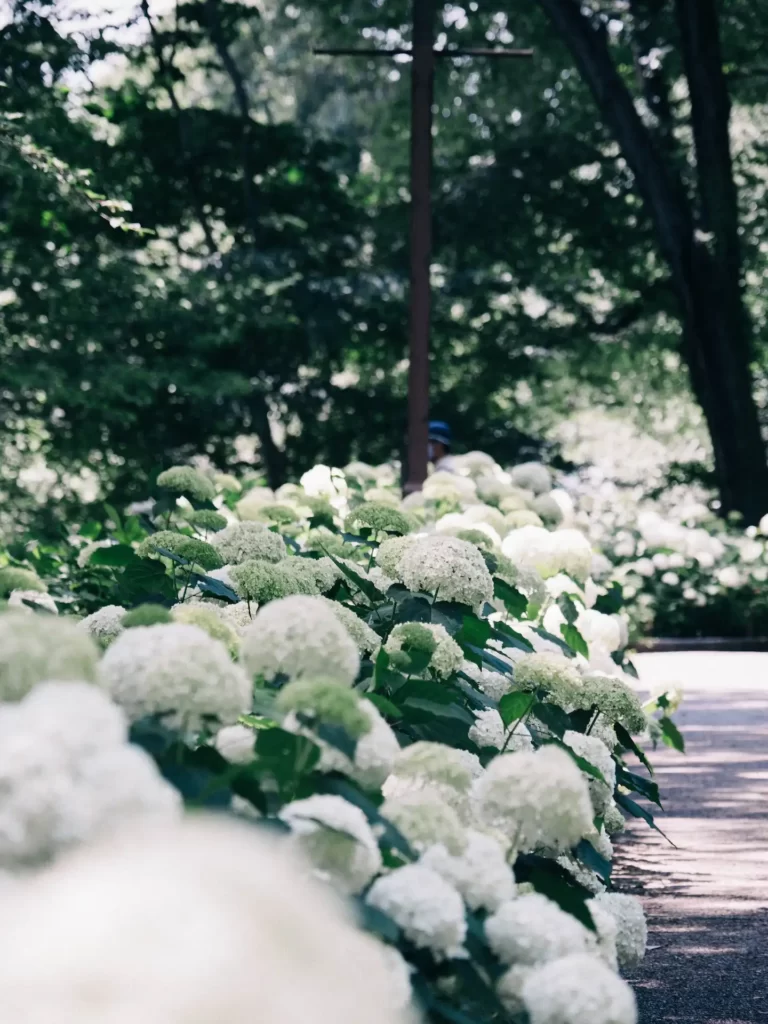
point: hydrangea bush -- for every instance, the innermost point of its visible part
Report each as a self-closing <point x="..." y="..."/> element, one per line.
<point x="429" y="701"/>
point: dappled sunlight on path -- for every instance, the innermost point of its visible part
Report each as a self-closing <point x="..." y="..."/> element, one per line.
<point x="707" y="899"/>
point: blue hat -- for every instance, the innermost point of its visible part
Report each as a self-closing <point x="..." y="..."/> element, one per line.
<point x="440" y="431"/>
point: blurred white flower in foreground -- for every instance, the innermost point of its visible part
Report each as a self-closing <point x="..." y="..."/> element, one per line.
<point x="204" y="921"/>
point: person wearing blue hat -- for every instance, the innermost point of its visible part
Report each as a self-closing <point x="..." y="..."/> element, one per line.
<point x="440" y="447"/>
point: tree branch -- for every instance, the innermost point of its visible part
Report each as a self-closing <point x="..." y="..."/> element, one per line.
<point x="244" y="107"/>
<point x="661" y="188"/>
<point x="710" y="116"/>
<point x="166" y="76"/>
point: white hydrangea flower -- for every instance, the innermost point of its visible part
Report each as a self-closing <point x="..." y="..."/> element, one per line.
<point x="105" y="624"/>
<point x="532" y="930"/>
<point x="603" y="730"/>
<point x="176" y="671"/>
<point x="537" y="800"/>
<point x="437" y="767"/>
<point x="604" y="942"/>
<point x="428" y="909"/>
<point x="336" y="838"/>
<point x="446" y="657"/>
<point x="615" y="700"/>
<point x="84" y="554"/>
<point x="578" y="989"/>
<point x="235" y="743"/>
<point x="67" y="772"/>
<point x="595" y="751"/>
<point x="554" y="673"/>
<point x="532" y="547"/>
<point x="588" y="878"/>
<point x="489" y="731"/>
<point x="324" y="482"/>
<point x="481" y="873"/>
<point x="22" y="599"/>
<point x="531" y="476"/>
<point x="390" y="551"/>
<point x="299" y="636"/>
<point x="614" y="821"/>
<point x="112" y="934"/>
<point x="441" y="485"/>
<point x="573" y="552"/>
<point x="451" y="568"/>
<point x="34" y="648"/>
<point x="632" y="934"/>
<point x="509" y="989"/>
<point x="375" y="752"/>
<point x="366" y="640"/>
<point x="425" y="819"/>
<point x="239" y="616"/>
<point x="600" y="630"/>
<point x="241" y="542"/>
<point x="493" y="684"/>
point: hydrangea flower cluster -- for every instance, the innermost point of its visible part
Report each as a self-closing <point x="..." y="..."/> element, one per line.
<point x="175" y="671"/>
<point x="188" y="481"/>
<point x="446" y="656"/>
<point x="298" y="636"/>
<point x="243" y="542"/>
<point x="480" y="872"/>
<point x="553" y="673"/>
<point x="105" y="624"/>
<point x="536" y="800"/>
<point x="16" y="578"/>
<point x="34" y="648"/>
<point x="428" y="909"/>
<point x="578" y="989"/>
<point x="425" y="819"/>
<point x="112" y="934"/>
<point x="67" y="773"/>
<point x="336" y="838"/>
<point x="192" y="549"/>
<point x="448" y="567"/>
<point x="207" y="618"/>
<point x="326" y="703"/>
<point x="379" y="517"/>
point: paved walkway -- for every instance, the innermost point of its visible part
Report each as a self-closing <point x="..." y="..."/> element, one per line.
<point x="707" y="900"/>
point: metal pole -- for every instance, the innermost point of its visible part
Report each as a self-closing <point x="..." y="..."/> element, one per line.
<point x="422" y="80"/>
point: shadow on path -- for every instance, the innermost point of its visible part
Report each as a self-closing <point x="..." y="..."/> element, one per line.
<point x="707" y="899"/>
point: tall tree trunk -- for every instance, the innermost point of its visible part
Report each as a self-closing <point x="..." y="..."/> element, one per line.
<point x="703" y="255"/>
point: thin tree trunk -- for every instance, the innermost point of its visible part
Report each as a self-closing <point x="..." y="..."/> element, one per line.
<point x="704" y="261"/>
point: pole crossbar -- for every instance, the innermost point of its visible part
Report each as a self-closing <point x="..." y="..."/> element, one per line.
<point x="424" y="56"/>
<point x="335" y="51"/>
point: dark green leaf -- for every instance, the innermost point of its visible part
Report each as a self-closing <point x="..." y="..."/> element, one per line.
<point x="553" y="717"/>
<point x="575" y="640"/>
<point x="370" y="590"/>
<point x="581" y="718"/>
<point x="515" y="602"/>
<point x="514" y="706"/>
<point x="586" y="766"/>
<point x="638" y="784"/>
<point x="549" y="878"/>
<point x="413" y="609"/>
<point x="474" y="631"/>
<point x="117" y="555"/>
<point x="558" y="641"/>
<point x="386" y="707"/>
<point x="568" y="607"/>
<point x="377" y="922"/>
<point x="215" y="587"/>
<point x="611" y="602"/>
<point x="637" y="811"/>
<point x="511" y="638"/>
<point x="628" y="743"/>
<point x="672" y="735"/>
<point x="146" y="576"/>
<point x="590" y="858"/>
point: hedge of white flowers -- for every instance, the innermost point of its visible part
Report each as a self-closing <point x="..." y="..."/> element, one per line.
<point x="320" y="750"/>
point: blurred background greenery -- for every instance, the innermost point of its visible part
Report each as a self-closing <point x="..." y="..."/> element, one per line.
<point x="203" y="238"/>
